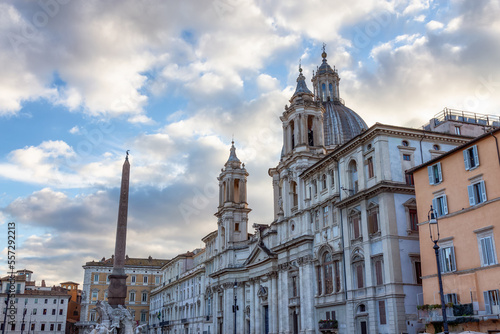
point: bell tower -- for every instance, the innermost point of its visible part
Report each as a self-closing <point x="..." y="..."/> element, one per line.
<point x="302" y="121"/>
<point x="233" y="208"/>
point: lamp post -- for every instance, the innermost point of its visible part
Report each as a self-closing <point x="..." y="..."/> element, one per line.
<point x="235" y="306"/>
<point x="434" y="234"/>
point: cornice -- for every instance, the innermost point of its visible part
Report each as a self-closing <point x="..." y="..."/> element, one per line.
<point x="384" y="186"/>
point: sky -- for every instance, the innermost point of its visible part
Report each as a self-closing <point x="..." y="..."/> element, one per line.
<point x="174" y="82"/>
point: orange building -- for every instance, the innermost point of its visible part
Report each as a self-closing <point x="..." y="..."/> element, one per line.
<point x="463" y="187"/>
<point x="74" y="306"/>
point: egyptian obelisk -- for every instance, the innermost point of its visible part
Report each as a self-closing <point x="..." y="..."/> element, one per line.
<point x="117" y="290"/>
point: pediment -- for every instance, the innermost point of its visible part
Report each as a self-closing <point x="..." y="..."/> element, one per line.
<point x="260" y="253"/>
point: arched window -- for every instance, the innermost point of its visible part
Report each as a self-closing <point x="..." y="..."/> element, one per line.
<point x="236" y="191"/>
<point x="328" y="272"/>
<point x="293" y="188"/>
<point x="353" y="177"/>
<point x="323" y="92"/>
<point x="310" y="130"/>
<point x="331" y="92"/>
<point x="323" y="182"/>
<point x="292" y="134"/>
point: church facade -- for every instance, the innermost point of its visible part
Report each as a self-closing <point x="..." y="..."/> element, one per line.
<point x="342" y="252"/>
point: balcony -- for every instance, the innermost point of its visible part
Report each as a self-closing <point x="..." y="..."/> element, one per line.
<point x="328" y="326"/>
<point x="184" y="321"/>
<point x="165" y="323"/>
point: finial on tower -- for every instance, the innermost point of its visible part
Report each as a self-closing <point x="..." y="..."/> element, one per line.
<point x="126" y="158"/>
<point x="324" y="51"/>
<point x="300" y="65"/>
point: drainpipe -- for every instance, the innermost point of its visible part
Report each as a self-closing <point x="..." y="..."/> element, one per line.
<point x="421" y="155"/>
<point x="342" y="231"/>
<point x="498" y="151"/>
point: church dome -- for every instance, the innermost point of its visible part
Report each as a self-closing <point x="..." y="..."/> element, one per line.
<point x="340" y="123"/>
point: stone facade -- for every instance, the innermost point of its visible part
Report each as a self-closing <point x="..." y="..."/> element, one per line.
<point x="342" y="252"/>
<point x="143" y="274"/>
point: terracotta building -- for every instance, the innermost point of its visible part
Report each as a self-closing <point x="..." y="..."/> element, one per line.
<point x="463" y="187"/>
<point x="74" y="306"/>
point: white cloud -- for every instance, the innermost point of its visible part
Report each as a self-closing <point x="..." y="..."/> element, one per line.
<point x="434" y="25"/>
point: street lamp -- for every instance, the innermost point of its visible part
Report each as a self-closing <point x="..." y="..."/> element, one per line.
<point x="434" y="234"/>
<point x="235" y="306"/>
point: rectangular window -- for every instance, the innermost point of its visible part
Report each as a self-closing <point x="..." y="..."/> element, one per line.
<point x="381" y="311"/>
<point x="51" y="327"/>
<point x="294" y="286"/>
<point x="44" y="311"/>
<point x="46" y="301"/>
<point x="418" y="272"/>
<point x="457" y="130"/>
<point x="143" y="317"/>
<point x="359" y="276"/>
<point x="477" y="193"/>
<point x="435" y="174"/>
<point x="132" y="278"/>
<point x="373" y="226"/>
<point x="413" y="219"/>
<point x="406" y="157"/>
<point x="59" y="327"/>
<point x="336" y="267"/>
<point x="491" y="301"/>
<point x="145" y="279"/>
<point x="440" y="204"/>
<point x="356" y="233"/>
<point x="36" y="300"/>
<point x="451" y="298"/>
<point x="53" y="311"/>
<point x="94" y="297"/>
<point x="471" y="158"/>
<point x="379" y="278"/>
<point x="144" y="296"/>
<point x="34" y="311"/>
<point x="319" y="283"/>
<point x="96" y="278"/>
<point x="132" y="297"/>
<point x="409" y="179"/>
<point x="54" y="301"/>
<point x="325" y="216"/>
<point x="32" y="327"/>
<point x="447" y="258"/>
<point x="370" y="167"/>
<point x="157" y="280"/>
<point x="42" y="327"/>
<point x="487" y="250"/>
<point x="236" y="227"/>
<point x="60" y="311"/>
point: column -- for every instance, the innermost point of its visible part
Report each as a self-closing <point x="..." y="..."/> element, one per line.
<point x="252" y="306"/>
<point x="231" y="189"/>
<point x="309" y="303"/>
<point x="274" y="303"/>
<point x="303" y="298"/>
<point x="257" y="307"/>
<point x="285" y="317"/>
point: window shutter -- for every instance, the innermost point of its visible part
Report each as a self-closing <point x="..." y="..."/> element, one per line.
<point x="487" y="306"/>
<point x="483" y="191"/>
<point x="476" y="155"/>
<point x="435" y="205"/>
<point x="439" y="172"/>
<point x="442" y="259"/>
<point x="445" y="205"/>
<point x="484" y="250"/>
<point x="431" y="175"/>
<point x="453" y="260"/>
<point x="470" y="190"/>
<point x="466" y="159"/>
